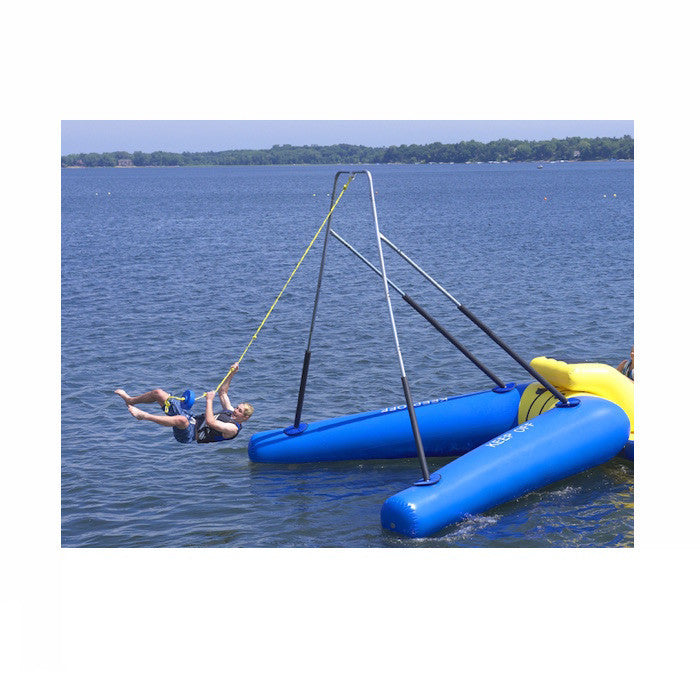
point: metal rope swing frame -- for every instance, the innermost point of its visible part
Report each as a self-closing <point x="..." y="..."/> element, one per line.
<point x="298" y="427"/>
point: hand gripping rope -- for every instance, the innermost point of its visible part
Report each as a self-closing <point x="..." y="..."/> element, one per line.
<point x="188" y="399"/>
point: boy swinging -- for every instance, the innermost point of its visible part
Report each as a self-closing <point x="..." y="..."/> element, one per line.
<point x="202" y="428"/>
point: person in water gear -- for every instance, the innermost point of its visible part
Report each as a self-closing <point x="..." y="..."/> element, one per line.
<point x="206" y="427"/>
<point x="627" y="366"/>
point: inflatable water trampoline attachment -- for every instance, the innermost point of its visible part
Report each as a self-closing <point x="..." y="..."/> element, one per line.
<point x="508" y="440"/>
<point x="583" y="379"/>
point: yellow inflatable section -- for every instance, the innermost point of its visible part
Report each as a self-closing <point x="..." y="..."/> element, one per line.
<point x="575" y="380"/>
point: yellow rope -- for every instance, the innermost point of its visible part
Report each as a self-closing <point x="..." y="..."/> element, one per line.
<point x="298" y="265"/>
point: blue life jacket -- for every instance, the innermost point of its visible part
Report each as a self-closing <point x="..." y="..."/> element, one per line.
<point x="206" y="433"/>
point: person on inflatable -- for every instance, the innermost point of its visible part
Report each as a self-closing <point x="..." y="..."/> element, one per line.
<point x="206" y="427"/>
<point x="627" y="366"/>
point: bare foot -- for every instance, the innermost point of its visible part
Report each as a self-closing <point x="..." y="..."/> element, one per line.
<point x="123" y="394"/>
<point x="136" y="412"/>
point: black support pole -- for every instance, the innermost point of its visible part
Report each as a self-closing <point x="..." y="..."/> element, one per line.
<point x="536" y="375"/>
<point x="416" y="433"/>
<point x="416" y="307"/>
<point x="302" y="388"/>
<point x="526" y="366"/>
<point x="438" y="327"/>
<point x="299" y="427"/>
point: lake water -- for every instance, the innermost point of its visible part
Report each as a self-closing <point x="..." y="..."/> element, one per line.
<point x="167" y="273"/>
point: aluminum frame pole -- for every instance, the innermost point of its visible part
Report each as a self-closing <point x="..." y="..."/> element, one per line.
<point x="404" y="379"/>
<point x="297" y="426"/>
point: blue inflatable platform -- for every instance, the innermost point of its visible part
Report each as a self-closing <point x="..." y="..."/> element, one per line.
<point x="508" y="441"/>
<point x="550" y="447"/>
<point x="449" y="426"/>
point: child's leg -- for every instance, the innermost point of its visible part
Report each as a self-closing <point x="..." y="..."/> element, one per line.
<point x="169" y="421"/>
<point x="153" y="396"/>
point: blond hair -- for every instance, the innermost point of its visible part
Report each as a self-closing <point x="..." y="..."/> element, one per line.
<point x="247" y="409"/>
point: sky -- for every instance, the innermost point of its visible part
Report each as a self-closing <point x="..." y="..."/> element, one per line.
<point x="99" y="136"/>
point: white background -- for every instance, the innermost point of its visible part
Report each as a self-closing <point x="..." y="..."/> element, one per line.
<point x="334" y="623"/>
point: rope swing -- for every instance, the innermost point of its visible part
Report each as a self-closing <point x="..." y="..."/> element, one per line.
<point x="188" y="399"/>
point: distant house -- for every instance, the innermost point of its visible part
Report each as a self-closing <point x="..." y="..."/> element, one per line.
<point x="125" y="163"/>
<point x="577" y="154"/>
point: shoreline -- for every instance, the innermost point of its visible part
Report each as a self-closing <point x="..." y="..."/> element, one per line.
<point x="273" y="165"/>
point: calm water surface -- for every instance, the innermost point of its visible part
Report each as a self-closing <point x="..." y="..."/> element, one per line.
<point x="167" y="272"/>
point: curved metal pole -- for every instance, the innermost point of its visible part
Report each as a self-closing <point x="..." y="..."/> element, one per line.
<point x="404" y="379"/>
<point x="307" y="355"/>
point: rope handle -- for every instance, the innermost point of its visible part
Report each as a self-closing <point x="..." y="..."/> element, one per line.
<point x="274" y="303"/>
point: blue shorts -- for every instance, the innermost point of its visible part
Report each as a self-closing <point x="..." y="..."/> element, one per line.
<point x="181" y="434"/>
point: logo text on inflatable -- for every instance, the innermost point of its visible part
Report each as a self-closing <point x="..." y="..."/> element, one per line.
<point x="415" y="405"/>
<point x="501" y="439"/>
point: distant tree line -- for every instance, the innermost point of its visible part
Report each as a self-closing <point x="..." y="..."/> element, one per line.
<point x="570" y="148"/>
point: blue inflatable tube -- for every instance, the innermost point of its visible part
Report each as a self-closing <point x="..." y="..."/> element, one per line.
<point x="540" y="451"/>
<point x="449" y="426"/>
